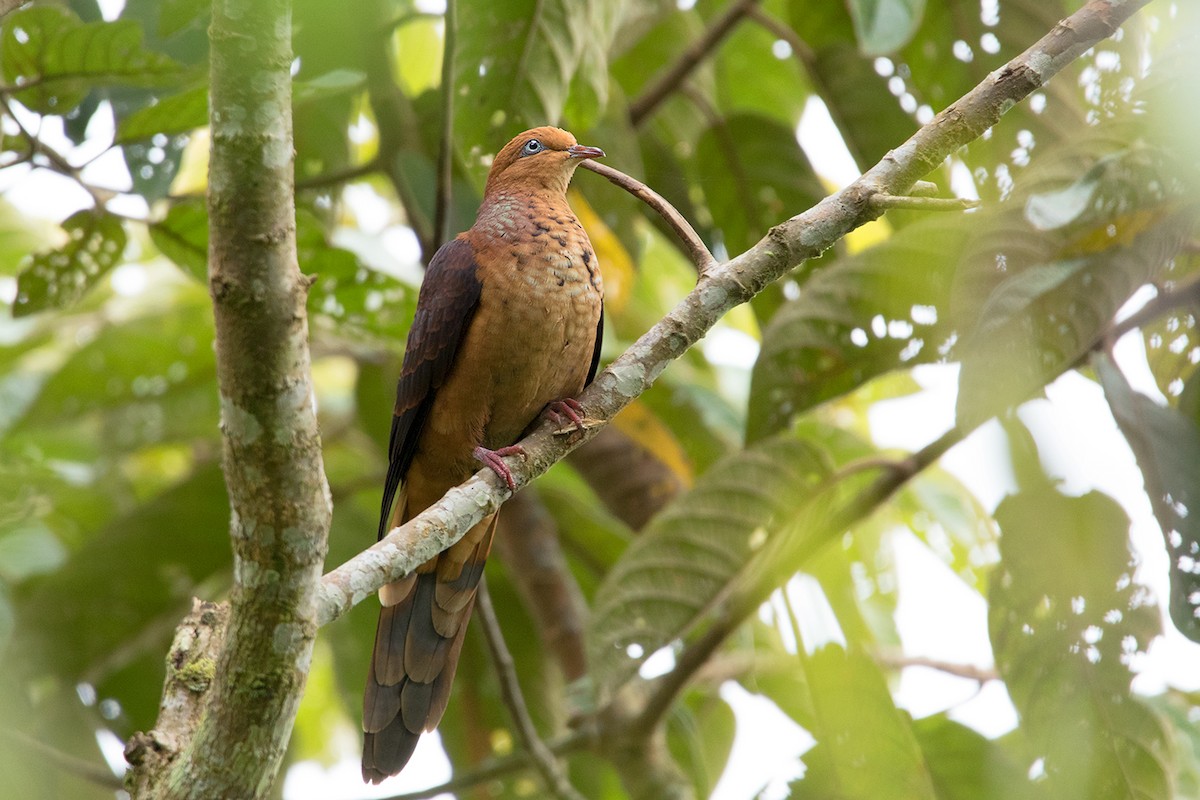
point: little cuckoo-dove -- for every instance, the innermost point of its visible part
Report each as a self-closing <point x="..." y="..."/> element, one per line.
<point x="508" y="324"/>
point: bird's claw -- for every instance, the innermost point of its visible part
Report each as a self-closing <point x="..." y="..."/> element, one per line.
<point x="568" y="407"/>
<point x="494" y="460"/>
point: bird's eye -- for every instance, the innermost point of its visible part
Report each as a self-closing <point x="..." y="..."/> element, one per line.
<point x="531" y="147"/>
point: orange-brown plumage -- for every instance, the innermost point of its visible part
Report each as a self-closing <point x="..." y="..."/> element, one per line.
<point x="508" y="321"/>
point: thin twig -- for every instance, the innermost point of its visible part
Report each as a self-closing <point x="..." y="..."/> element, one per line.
<point x="497" y="768"/>
<point x="80" y="768"/>
<point x="898" y="660"/>
<point x="1185" y="294"/>
<point x="510" y="691"/>
<point x="445" y="162"/>
<point x="692" y="243"/>
<point x="914" y="203"/>
<point x="57" y="161"/>
<point x="673" y="77"/>
<point x="338" y="176"/>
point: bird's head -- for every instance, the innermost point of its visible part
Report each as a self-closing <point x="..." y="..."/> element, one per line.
<point x="540" y="159"/>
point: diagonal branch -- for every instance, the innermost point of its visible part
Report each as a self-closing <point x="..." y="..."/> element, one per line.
<point x="721" y="288"/>
<point x="673" y="77"/>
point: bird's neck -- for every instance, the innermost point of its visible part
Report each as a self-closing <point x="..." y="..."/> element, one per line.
<point x="506" y="212"/>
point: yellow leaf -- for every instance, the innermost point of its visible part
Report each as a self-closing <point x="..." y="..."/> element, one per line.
<point x="418" y="45"/>
<point x="1119" y="232"/>
<point x="874" y="232"/>
<point x="192" y="177"/>
<point x="639" y="423"/>
<point x="616" y="267"/>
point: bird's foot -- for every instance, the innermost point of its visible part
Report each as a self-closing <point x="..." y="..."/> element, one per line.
<point x="568" y="407"/>
<point x="494" y="459"/>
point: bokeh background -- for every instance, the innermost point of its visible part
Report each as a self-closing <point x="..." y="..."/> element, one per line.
<point x="1016" y="621"/>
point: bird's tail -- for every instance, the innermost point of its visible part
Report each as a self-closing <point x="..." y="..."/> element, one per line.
<point x="417" y="643"/>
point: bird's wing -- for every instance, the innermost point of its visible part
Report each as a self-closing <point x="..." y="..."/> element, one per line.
<point x="596" y="350"/>
<point x="447" y="302"/>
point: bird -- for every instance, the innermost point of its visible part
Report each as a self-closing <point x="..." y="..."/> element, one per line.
<point x="507" y="329"/>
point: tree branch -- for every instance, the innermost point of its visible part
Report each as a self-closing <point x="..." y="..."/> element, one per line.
<point x="65" y="762"/>
<point x="272" y="449"/>
<point x="719" y="289"/>
<point x="673" y="77"/>
<point x="496" y="768"/>
<point x="340" y="176"/>
<point x="547" y="766"/>
<point x="916" y="203"/>
<point x="897" y="660"/>
<point x="693" y="244"/>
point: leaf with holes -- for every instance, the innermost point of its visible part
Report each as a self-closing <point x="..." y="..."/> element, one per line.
<point x="55" y="59"/>
<point x="1043" y="319"/>
<point x="140" y="382"/>
<point x="694" y="552"/>
<point x="59" y="278"/>
<point x="1066" y="616"/>
<point x="883" y="309"/>
<point x="1166" y="445"/>
<point x="865" y="749"/>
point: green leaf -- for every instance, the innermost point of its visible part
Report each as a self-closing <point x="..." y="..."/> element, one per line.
<point x="754" y="175"/>
<point x="589" y="96"/>
<point x="149" y="380"/>
<point x="96" y="606"/>
<point x="182" y="236"/>
<point x="883" y="309"/>
<point x="750" y="79"/>
<point x="179" y="113"/>
<point x="349" y="300"/>
<point x="883" y="26"/>
<point x="1065" y="617"/>
<point x="700" y="733"/>
<point x="331" y="84"/>
<point x="944" y="514"/>
<point x="60" y="277"/>
<point x="865" y="745"/>
<point x="1173" y="340"/>
<point x="1166" y="445"/>
<point x="514" y="67"/>
<point x="1043" y="319"/>
<point x="965" y="765"/>
<point x="694" y="551"/>
<point x="59" y="58"/>
<point x="31" y="549"/>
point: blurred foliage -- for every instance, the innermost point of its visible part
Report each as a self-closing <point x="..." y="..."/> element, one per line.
<point x="115" y="513"/>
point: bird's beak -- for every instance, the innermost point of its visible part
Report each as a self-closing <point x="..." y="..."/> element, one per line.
<point x="580" y="151"/>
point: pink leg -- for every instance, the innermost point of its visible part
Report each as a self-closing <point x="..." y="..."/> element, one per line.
<point x="568" y="407"/>
<point x="494" y="460"/>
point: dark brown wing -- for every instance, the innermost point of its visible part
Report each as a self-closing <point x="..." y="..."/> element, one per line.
<point x="596" y="352"/>
<point x="447" y="302"/>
